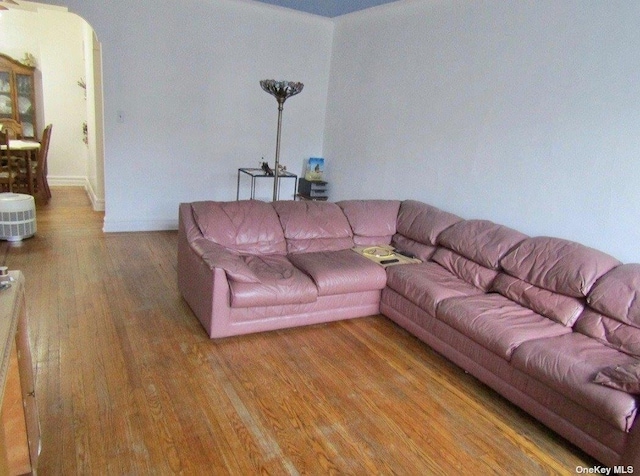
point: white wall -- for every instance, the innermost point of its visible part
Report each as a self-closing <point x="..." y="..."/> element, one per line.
<point x="185" y="76"/>
<point x="526" y="113"/>
<point x="60" y="64"/>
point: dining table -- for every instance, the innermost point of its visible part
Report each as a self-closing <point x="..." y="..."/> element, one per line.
<point x="28" y="149"/>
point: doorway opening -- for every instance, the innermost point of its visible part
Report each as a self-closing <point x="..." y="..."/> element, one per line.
<point x="66" y="52"/>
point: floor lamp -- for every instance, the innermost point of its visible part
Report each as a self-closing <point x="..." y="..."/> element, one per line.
<point x="281" y="90"/>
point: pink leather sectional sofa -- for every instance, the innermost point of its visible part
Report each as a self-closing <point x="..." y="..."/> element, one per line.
<point x="538" y="319"/>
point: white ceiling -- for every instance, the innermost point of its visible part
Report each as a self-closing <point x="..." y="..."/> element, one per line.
<point x="327" y="8"/>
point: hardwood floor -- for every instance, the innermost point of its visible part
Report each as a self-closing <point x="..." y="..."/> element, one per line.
<point x="127" y="382"/>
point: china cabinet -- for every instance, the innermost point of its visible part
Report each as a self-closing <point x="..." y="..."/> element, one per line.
<point x="17" y="94"/>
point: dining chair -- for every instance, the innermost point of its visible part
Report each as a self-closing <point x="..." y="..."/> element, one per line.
<point x="32" y="178"/>
<point x="8" y="170"/>
<point x="41" y="170"/>
<point x="13" y="127"/>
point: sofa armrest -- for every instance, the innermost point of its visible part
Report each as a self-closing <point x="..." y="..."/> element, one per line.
<point x="217" y="256"/>
<point x="204" y="288"/>
<point x="631" y="453"/>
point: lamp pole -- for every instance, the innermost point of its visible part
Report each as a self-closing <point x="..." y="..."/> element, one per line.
<point x="281" y="90"/>
<point x="276" y="184"/>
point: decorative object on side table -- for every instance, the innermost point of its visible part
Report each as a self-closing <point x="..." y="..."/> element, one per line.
<point x="267" y="170"/>
<point x="314" y="169"/>
<point x="281" y="90"/>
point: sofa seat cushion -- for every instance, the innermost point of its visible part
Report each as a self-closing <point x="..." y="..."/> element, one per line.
<point x="568" y="365"/>
<point x="340" y="272"/>
<point x="427" y="284"/>
<point x="279" y="282"/>
<point x="496" y="322"/>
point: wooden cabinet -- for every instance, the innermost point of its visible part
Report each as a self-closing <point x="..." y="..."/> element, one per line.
<point x="17" y="94"/>
<point x="19" y="425"/>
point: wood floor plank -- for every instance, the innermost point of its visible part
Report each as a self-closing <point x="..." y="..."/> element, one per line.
<point x="127" y="382"/>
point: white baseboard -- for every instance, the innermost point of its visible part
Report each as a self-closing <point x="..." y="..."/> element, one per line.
<point x="68" y="181"/>
<point x="113" y="226"/>
<point x="97" y="203"/>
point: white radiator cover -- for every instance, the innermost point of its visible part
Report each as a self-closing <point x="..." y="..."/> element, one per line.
<point x="17" y="216"/>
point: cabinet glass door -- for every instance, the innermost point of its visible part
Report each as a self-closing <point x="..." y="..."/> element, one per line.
<point x="6" y="104"/>
<point x="17" y="95"/>
<point x="26" y="110"/>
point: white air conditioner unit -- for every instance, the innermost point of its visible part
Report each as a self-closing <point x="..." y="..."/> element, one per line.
<point x="17" y="216"/>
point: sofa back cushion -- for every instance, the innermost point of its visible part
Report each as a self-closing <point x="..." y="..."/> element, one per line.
<point x="248" y="226"/>
<point x="608" y="331"/>
<point x="373" y="222"/>
<point x="617" y="294"/>
<point x="558" y="307"/>
<point x="558" y="265"/>
<point x="418" y="227"/>
<point x="314" y="226"/>
<point x="481" y="241"/>
<point x="613" y="316"/>
<point x="465" y="269"/>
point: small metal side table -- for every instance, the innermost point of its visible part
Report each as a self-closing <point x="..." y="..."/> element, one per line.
<point x="259" y="173"/>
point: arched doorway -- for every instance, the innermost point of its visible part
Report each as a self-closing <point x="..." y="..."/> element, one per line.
<point x="69" y="89"/>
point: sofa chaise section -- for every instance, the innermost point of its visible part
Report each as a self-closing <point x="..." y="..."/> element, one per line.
<point x="519" y="329"/>
<point x="523" y="339"/>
